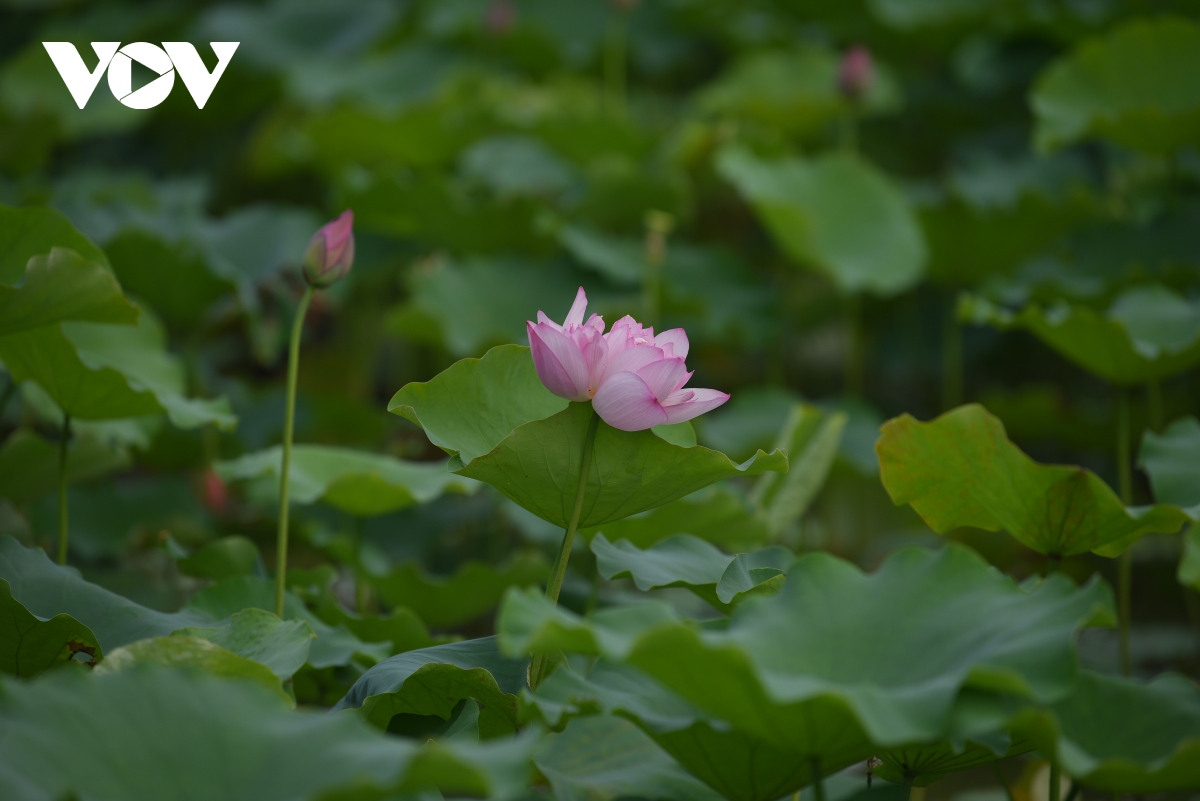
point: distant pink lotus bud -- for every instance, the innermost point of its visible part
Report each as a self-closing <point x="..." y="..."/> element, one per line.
<point x="633" y="378"/>
<point x="500" y="16"/>
<point x="330" y="253"/>
<point x="216" y="493"/>
<point x="856" y="72"/>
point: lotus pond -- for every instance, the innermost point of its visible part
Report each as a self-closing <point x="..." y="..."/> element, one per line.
<point x="533" y="400"/>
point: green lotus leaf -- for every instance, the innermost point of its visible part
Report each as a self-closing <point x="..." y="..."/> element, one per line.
<point x="1172" y="462"/>
<point x="236" y="737"/>
<point x="1149" y="333"/>
<point x="469" y="408"/>
<point x="95" y="371"/>
<point x="716" y="514"/>
<point x="357" y="482"/>
<point x="605" y="758"/>
<point x="1126" y="737"/>
<point x="811" y="438"/>
<point x="686" y="561"/>
<point x="816" y="209"/>
<point x="30" y="645"/>
<point x="281" y="646"/>
<point x="227" y="557"/>
<point x="432" y="681"/>
<point x="537" y="466"/>
<point x="962" y="470"/>
<point x="29" y="464"/>
<point x="34" y="231"/>
<point x="879" y="658"/>
<point x="334" y="645"/>
<point x="502" y="427"/>
<point x="61" y="286"/>
<point x="47" y="590"/>
<point x="1131" y="85"/>
<point x="192" y="652"/>
<point x="739" y="766"/>
<point x="471" y="592"/>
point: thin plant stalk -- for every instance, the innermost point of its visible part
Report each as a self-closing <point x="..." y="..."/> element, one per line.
<point x="952" y="363"/>
<point x="289" y="421"/>
<point x="818" y="782"/>
<point x="63" y="522"/>
<point x="1073" y="793"/>
<point x="1154" y="406"/>
<point x="1125" y="564"/>
<point x="1055" y="782"/>
<point x="1003" y="782"/>
<point x="537" y="667"/>
<point x="856" y="347"/>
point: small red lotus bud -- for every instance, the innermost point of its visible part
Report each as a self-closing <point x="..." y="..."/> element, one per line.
<point x="216" y="493"/>
<point x="330" y="253"/>
<point x="500" y="16"/>
<point x="856" y="72"/>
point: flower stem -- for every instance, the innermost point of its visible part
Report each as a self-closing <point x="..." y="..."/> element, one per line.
<point x="63" y="529"/>
<point x="1125" y="566"/>
<point x="1055" y="782"/>
<point x="537" y="668"/>
<point x="818" y="784"/>
<point x="289" y="420"/>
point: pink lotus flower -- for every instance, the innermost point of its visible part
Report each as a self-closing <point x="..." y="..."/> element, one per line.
<point x="856" y="72"/>
<point x="330" y="253"/>
<point x="633" y="378"/>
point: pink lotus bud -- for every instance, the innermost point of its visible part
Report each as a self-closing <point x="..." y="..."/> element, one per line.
<point x="330" y="253"/>
<point x="216" y="493"/>
<point x="633" y="378"/>
<point x="500" y="16"/>
<point x="856" y="72"/>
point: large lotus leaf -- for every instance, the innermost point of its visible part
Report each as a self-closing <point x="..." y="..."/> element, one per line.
<point x="961" y="470"/>
<point x="47" y="589"/>
<point x="1149" y="333"/>
<point x="811" y="438"/>
<point x="401" y="629"/>
<point x="95" y="371"/>
<point x="432" y="681"/>
<point x="225" y="557"/>
<point x="880" y="656"/>
<point x="281" y="646"/>
<point x="739" y="766"/>
<point x="30" y="644"/>
<point x="836" y="213"/>
<point x="34" y="231"/>
<point x="156" y="734"/>
<point x="29" y="465"/>
<point x="334" y="645"/>
<point x="1132" y="86"/>
<point x="357" y="482"/>
<point x="685" y="561"/>
<point x="469" y="408"/>
<point x="794" y="89"/>
<point x="192" y="652"/>
<point x="605" y="758"/>
<point x="1172" y="461"/>
<point x="60" y="286"/>
<point x="716" y="515"/>
<point x="621" y="260"/>
<point x="1126" y="737"/>
<point x="499" y="424"/>
<point x="538" y="467"/>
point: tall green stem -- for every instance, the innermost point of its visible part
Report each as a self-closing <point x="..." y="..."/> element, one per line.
<point x="63" y="528"/>
<point x="1125" y="566"/>
<point x="952" y="363"/>
<point x="856" y="347"/>
<point x="818" y="784"/>
<point x="1154" y="406"/>
<point x="1055" y="782"/>
<point x="537" y="668"/>
<point x="289" y="421"/>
